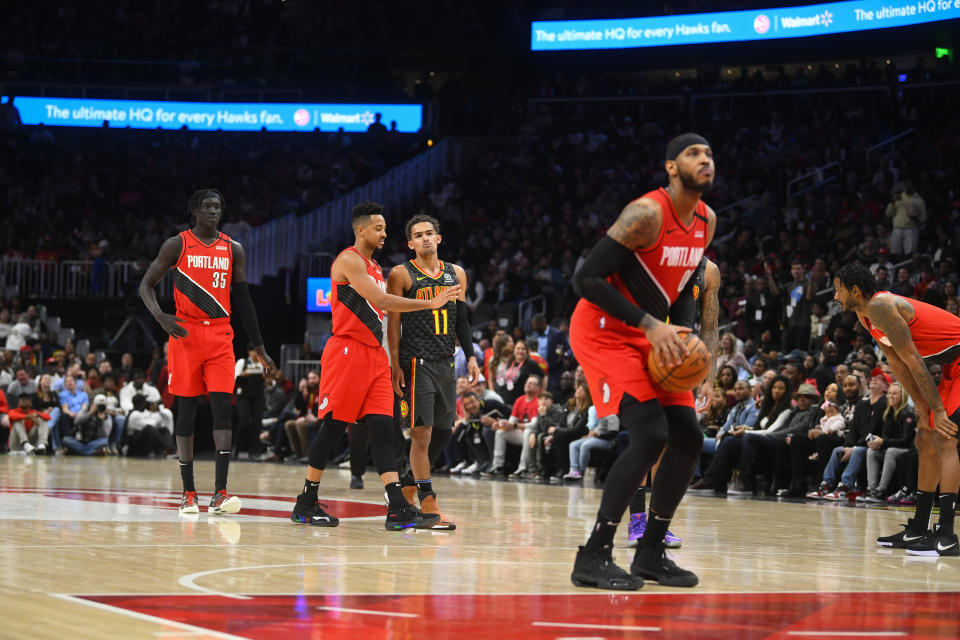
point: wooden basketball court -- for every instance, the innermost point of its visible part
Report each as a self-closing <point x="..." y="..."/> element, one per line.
<point x="95" y="548"/>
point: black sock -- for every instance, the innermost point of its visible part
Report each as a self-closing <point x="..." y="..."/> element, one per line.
<point x="948" y="506"/>
<point x="921" y="519"/>
<point x="638" y="503"/>
<point x="310" y="491"/>
<point x="424" y="487"/>
<point x="657" y="527"/>
<point x="186" y="474"/>
<point x="222" y="466"/>
<point x="395" y="495"/>
<point x="602" y="534"/>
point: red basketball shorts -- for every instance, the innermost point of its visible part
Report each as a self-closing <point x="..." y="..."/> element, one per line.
<point x="615" y="362"/>
<point x="949" y="389"/>
<point x="203" y="362"/>
<point x="354" y="381"/>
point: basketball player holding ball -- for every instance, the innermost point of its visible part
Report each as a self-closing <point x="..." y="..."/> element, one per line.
<point x="639" y="274"/>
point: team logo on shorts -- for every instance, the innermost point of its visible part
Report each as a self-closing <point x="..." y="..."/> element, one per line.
<point x="404" y="409"/>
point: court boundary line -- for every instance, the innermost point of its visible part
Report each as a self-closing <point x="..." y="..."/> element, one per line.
<point x="143" y="616"/>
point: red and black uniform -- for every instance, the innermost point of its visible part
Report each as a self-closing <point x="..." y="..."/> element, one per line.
<point x="354" y="368"/>
<point x="203" y="362"/>
<point x="936" y="334"/>
<point x="613" y="354"/>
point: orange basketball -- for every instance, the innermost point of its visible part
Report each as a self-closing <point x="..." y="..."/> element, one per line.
<point x="688" y="374"/>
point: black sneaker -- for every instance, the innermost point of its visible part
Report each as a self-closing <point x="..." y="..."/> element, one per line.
<point x="595" y="568"/>
<point x="904" y="539"/>
<point x="935" y="543"/>
<point x="493" y="472"/>
<point x="313" y="514"/>
<point x="408" y="517"/>
<point x="651" y="563"/>
<point x="356" y="482"/>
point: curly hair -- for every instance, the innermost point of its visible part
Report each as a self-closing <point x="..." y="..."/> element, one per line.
<point x="193" y="204"/>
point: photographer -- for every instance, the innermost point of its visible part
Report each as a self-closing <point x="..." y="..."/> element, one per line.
<point x="92" y="432"/>
<point x="908" y="213"/>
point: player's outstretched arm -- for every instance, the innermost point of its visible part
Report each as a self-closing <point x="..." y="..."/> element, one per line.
<point x="354" y="270"/>
<point x="464" y="335"/>
<point x="638" y="226"/>
<point x="166" y="258"/>
<point x="397" y="283"/>
<point x="244" y="306"/>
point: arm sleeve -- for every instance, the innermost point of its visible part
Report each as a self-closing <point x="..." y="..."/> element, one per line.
<point x="606" y="258"/>
<point x="463" y="330"/>
<point x="246" y="312"/>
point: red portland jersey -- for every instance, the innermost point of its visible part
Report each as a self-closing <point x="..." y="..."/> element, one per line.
<point x="654" y="281"/>
<point x="202" y="277"/>
<point x="353" y="316"/>
<point x="935" y="331"/>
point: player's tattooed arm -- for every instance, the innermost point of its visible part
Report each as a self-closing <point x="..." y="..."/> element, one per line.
<point x="709" y="312"/>
<point x="886" y="313"/>
<point x="638" y="225"/>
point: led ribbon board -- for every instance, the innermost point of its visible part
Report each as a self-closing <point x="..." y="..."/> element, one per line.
<point x="214" y="116"/>
<point x="318" y="294"/>
<point x="738" y="26"/>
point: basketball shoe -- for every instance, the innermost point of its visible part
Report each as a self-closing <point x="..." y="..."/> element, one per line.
<point x="188" y="503"/>
<point x="313" y="514"/>
<point x="935" y="543"/>
<point x="222" y="503"/>
<point x="596" y="568"/>
<point x="651" y="563"/>
<point x="429" y="507"/>
<point x="911" y="534"/>
<point x="638" y="524"/>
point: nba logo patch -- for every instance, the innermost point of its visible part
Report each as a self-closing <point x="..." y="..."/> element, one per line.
<point x="404" y="409"/>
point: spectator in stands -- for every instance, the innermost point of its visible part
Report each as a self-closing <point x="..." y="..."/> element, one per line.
<point x="797" y="295"/>
<point x="47" y="401"/>
<point x="460" y="361"/>
<point x="907" y="213"/>
<point x="549" y="416"/>
<point x="73" y="403"/>
<point x="5" y="325"/>
<point x="89" y="362"/>
<point x="275" y="402"/>
<point x="28" y="427"/>
<point x="726" y="379"/>
<point x="566" y="391"/>
<point x="600" y="437"/>
<point x="149" y="429"/>
<point x="512" y="374"/>
<point x="19" y="333"/>
<point x="93" y="383"/>
<point x="74" y="370"/>
<point x="92" y="432"/>
<point x="521" y="425"/>
<point x="137" y="385"/>
<point x="729" y="355"/>
<point x="712" y="415"/>
<point x="899" y="427"/>
<point x="481" y="419"/>
<point x="496" y="361"/>
<point x="4" y="421"/>
<point x="728" y="441"/>
<point x="300" y="429"/>
<point x="903" y="286"/>
<point x="824" y="373"/>
<point x="867" y="421"/>
<point x="770" y="444"/>
<point x="126" y="372"/>
<point x="23" y="384"/>
<point x="552" y="345"/>
<point x="118" y="416"/>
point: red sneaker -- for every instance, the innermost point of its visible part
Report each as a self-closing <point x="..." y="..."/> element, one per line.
<point x="188" y="503"/>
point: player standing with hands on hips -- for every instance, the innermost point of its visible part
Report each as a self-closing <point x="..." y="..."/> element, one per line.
<point x="207" y="264"/>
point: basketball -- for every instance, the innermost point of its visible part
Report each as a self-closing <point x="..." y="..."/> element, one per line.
<point x="687" y="375"/>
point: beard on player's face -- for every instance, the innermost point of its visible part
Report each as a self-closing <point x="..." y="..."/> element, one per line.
<point x="692" y="182"/>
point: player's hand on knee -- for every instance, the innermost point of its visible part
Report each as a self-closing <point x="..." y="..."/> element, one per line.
<point x="943" y="425"/>
<point x="171" y="324"/>
<point x="398" y="382"/>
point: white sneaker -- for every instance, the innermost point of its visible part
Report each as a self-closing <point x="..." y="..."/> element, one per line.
<point x="460" y="467"/>
<point x="41" y="449"/>
<point x="28" y="448"/>
<point x="471" y="469"/>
